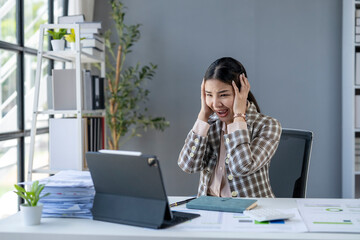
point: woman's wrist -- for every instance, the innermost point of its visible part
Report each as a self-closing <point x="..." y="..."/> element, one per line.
<point x="203" y="117"/>
<point x="239" y="120"/>
<point x="240" y="117"/>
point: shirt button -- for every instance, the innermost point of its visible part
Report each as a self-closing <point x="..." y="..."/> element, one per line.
<point x="227" y="140"/>
<point x="221" y="168"/>
<point x="234" y="193"/>
<point x="193" y="148"/>
<point x="230" y="177"/>
<point x="227" y="161"/>
<point x="196" y="140"/>
<point x="191" y="154"/>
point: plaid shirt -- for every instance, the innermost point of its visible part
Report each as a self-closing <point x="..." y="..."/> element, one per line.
<point x="248" y="154"/>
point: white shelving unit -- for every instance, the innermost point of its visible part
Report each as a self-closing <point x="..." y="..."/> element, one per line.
<point x="350" y="177"/>
<point x="77" y="58"/>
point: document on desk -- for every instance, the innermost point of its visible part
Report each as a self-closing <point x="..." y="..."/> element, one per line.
<point x="331" y="215"/>
<point x="238" y="222"/>
<point x="71" y="195"/>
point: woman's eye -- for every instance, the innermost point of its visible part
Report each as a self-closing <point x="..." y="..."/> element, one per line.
<point x="224" y="95"/>
<point x="208" y="95"/>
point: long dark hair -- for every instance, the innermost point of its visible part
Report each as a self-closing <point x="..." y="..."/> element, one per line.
<point x="226" y="70"/>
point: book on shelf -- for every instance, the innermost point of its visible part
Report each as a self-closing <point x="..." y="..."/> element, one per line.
<point x="49" y="92"/>
<point x="357" y="13"/>
<point x="95" y="133"/>
<point x="86" y="142"/>
<point x="357" y="111"/>
<point x="63" y="145"/>
<point x="64" y="89"/>
<point x="357" y="38"/>
<point x="357" y="154"/>
<point x="89" y="25"/>
<point x="71" y="19"/>
<point x="357" y="166"/>
<point x="94" y="52"/>
<point x="92" y="36"/>
<point x="103" y="133"/>
<point x="357" y="68"/>
<point x="88" y="95"/>
<point x="92" y="43"/>
<point x="98" y="90"/>
<point x="357" y="30"/>
<point x="357" y="21"/>
<point x="89" y="30"/>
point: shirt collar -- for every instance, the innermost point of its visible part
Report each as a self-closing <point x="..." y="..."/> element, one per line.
<point x="224" y="127"/>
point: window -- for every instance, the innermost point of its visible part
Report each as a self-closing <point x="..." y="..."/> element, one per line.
<point x="8" y="21"/>
<point x="19" y="39"/>
<point x="36" y="13"/>
<point x="8" y="92"/>
<point x="8" y="176"/>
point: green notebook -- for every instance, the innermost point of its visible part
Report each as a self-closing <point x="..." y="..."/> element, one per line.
<point x="222" y="204"/>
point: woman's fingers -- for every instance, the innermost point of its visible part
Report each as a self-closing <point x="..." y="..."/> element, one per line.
<point x="245" y="86"/>
<point x="205" y="110"/>
<point x="236" y="89"/>
<point x="203" y="90"/>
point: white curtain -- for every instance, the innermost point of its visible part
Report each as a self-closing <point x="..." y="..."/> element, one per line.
<point x="85" y="7"/>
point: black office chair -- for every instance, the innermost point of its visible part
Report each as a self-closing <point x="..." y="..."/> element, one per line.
<point x="290" y="165"/>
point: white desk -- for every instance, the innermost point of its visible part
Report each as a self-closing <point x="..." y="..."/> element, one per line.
<point x="84" y="229"/>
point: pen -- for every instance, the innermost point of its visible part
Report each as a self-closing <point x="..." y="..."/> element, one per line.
<point x="181" y="202"/>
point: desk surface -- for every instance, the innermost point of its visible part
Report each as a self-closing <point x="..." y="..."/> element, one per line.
<point x="62" y="228"/>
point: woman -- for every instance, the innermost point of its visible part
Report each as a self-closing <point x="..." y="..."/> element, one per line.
<point x="231" y="142"/>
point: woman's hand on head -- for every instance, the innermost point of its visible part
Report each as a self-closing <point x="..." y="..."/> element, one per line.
<point x="205" y="110"/>
<point x="240" y="99"/>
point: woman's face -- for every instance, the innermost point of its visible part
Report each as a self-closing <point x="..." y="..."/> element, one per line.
<point x="220" y="98"/>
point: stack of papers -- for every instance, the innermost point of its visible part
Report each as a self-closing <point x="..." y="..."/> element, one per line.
<point x="71" y="195"/>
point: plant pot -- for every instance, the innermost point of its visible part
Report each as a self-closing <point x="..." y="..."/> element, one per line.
<point x="31" y="215"/>
<point x="72" y="46"/>
<point x="58" y="44"/>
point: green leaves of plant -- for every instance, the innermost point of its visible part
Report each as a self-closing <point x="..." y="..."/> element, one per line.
<point x="33" y="196"/>
<point x="56" y="35"/>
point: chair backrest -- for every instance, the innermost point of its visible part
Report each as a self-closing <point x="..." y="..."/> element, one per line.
<point x="290" y="165"/>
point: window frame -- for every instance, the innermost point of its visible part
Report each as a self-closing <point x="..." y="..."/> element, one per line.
<point x="20" y="49"/>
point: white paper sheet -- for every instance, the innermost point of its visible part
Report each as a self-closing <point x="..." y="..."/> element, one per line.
<point x="238" y="222"/>
<point x="330" y="215"/>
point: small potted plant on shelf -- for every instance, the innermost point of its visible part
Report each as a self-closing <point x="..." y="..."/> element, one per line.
<point x="57" y="43"/>
<point x="70" y="38"/>
<point x="31" y="209"/>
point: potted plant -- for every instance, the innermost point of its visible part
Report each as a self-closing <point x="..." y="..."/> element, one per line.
<point x="31" y="209"/>
<point x="57" y="43"/>
<point x="70" y="38"/>
<point x="125" y="113"/>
